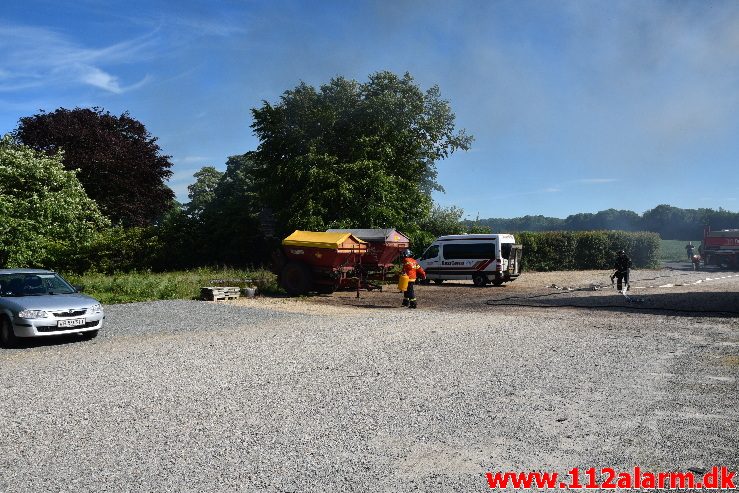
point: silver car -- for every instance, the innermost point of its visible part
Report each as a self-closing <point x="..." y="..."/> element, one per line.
<point x="40" y="303"/>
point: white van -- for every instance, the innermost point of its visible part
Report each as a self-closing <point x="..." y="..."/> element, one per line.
<point x="482" y="258"/>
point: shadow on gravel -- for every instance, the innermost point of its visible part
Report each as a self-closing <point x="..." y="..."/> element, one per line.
<point x="697" y="304"/>
<point x="358" y="305"/>
<point x="687" y="266"/>
<point x="36" y="342"/>
<point x="463" y="285"/>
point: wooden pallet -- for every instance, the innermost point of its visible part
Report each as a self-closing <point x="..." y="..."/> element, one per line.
<point x="219" y="293"/>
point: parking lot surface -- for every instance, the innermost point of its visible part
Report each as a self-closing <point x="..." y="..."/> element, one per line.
<point x="345" y="394"/>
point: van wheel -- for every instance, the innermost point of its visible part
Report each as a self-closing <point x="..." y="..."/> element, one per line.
<point x="438" y="281"/>
<point x="479" y="280"/>
<point x="7" y="336"/>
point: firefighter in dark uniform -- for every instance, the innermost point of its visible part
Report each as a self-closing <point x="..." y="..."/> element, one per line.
<point x="623" y="266"/>
<point x="412" y="270"/>
<point x="689" y="248"/>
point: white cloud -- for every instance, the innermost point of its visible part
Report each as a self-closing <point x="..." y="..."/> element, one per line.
<point x="219" y="27"/>
<point x="96" y="77"/>
<point x="36" y="57"/>
<point x="593" y="181"/>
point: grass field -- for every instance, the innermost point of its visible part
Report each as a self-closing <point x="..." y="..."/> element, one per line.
<point x="148" y="286"/>
<point x="674" y="250"/>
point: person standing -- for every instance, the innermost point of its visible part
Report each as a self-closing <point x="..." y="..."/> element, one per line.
<point x="623" y="266"/>
<point x="690" y="249"/>
<point x="412" y="269"/>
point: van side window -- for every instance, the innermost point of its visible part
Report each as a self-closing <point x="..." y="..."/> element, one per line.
<point x="431" y="252"/>
<point x="465" y="250"/>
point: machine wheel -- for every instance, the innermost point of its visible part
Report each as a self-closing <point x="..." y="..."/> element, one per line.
<point x="324" y="288"/>
<point x="295" y="278"/>
<point x="92" y="334"/>
<point x="479" y="279"/>
<point x="7" y="336"/>
<point x="438" y="281"/>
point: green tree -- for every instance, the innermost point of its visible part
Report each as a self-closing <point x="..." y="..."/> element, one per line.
<point x="43" y="208"/>
<point x="120" y="164"/>
<point x="353" y="154"/>
<point x="227" y="227"/>
<point x="440" y="221"/>
<point x="202" y="192"/>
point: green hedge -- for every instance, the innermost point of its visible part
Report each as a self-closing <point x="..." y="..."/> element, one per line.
<point x="111" y="250"/>
<point x="577" y="250"/>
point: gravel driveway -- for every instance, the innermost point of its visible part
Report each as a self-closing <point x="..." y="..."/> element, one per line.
<point x="339" y="395"/>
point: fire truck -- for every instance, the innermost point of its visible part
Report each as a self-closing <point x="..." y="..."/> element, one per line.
<point x="721" y="248"/>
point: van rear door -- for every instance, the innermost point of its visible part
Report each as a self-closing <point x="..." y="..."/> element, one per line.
<point x="512" y="257"/>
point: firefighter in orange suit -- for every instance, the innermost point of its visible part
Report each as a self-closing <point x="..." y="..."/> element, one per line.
<point x="411" y="269"/>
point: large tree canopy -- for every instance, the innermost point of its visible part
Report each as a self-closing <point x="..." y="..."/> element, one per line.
<point x="119" y="162"/>
<point x="43" y="208"/>
<point x="353" y="154"/>
<point x="225" y="209"/>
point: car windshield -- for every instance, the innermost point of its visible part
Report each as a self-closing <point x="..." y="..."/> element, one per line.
<point x="32" y="284"/>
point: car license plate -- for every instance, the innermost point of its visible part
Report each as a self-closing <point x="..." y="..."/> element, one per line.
<point x="72" y="322"/>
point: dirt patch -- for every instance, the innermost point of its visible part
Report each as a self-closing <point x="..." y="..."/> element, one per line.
<point x="666" y="290"/>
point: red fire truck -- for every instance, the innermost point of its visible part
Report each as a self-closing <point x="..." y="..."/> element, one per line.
<point x="721" y="248"/>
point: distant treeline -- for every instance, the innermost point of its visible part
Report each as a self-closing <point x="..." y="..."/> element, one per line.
<point x="671" y="223"/>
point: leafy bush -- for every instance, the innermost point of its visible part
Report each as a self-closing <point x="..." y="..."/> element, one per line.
<point x="112" y="250"/>
<point x="43" y="208"/>
<point x="564" y="250"/>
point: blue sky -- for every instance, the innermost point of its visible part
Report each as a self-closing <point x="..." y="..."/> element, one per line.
<point x="575" y="106"/>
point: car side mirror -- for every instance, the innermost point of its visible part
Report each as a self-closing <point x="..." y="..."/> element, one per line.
<point x="78" y="287"/>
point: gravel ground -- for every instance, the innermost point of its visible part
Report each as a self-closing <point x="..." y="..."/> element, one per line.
<point x="339" y="394"/>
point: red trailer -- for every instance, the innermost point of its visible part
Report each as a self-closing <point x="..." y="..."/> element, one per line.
<point x="721" y="248"/>
<point x="384" y="246"/>
<point x="317" y="261"/>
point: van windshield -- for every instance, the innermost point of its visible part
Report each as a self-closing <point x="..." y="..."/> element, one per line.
<point x="431" y="252"/>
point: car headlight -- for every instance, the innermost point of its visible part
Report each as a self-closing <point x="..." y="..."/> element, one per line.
<point x="98" y="308"/>
<point x="33" y="314"/>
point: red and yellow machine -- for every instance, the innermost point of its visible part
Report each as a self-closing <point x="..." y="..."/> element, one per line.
<point x="336" y="259"/>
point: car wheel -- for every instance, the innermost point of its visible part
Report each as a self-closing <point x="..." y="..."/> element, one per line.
<point x="7" y="336"/>
<point x="479" y="280"/>
<point x="90" y="334"/>
<point x="438" y="281"/>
